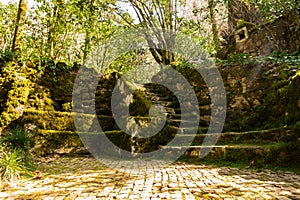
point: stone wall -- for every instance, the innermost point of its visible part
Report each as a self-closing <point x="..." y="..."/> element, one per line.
<point x="259" y="96"/>
<point x="281" y="35"/>
<point x="241" y="10"/>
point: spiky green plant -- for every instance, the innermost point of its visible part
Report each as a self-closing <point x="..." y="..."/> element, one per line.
<point x="17" y="139"/>
<point x="12" y="166"/>
<point x="15" y="159"/>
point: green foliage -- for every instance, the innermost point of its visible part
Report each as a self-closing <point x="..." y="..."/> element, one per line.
<point x="5" y="56"/>
<point x="8" y="15"/>
<point x="15" y="159"/>
<point x="291" y="60"/>
<point x="272" y="9"/>
<point x="17" y="139"/>
<point x="297" y="125"/>
<point x="126" y="62"/>
<point x="11" y="166"/>
<point x="67" y="107"/>
<point x="58" y="30"/>
<point x="240" y="59"/>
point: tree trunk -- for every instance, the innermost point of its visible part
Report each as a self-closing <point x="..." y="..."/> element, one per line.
<point x="51" y="30"/>
<point x="20" y="24"/>
<point x="87" y="44"/>
<point x="231" y="16"/>
<point x="160" y="18"/>
<point x="212" y="14"/>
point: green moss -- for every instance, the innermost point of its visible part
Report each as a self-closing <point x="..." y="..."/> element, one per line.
<point x="63" y="121"/>
<point x="241" y="23"/>
<point x="297" y="125"/>
<point x="40" y="99"/>
<point x="153" y="143"/>
<point x="140" y="105"/>
<point x="47" y="141"/>
<point x="18" y="81"/>
<point x="49" y="120"/>
<point x="67" y="107"/>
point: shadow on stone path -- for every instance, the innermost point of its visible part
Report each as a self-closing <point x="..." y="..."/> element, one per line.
<point x="86" y="178"/>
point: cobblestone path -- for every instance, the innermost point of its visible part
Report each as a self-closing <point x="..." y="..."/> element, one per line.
<point x="85" y="178"/>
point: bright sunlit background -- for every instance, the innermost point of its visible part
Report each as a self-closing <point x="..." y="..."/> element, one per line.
<point x="30" y="2"/>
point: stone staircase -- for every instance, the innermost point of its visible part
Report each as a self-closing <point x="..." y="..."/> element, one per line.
<point x="56" y="133"/>
<point x="265" y="146"/>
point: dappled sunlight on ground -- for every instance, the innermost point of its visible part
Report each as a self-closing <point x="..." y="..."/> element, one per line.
<point x="86" y="178"/>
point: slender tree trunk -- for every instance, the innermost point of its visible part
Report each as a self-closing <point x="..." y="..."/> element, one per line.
<point x="231" y="16"/>
<point x="19" y="30"/>
<point x="87" y="39"/>
<point x="52" y="26"/>
<point x="87" y="44"/>
<point x="213" y="21"/>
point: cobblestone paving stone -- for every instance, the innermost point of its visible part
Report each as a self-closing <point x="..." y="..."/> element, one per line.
<point x="86" y="178"/>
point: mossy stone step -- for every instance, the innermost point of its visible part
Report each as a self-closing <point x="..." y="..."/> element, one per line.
<point x="185" y="130"/>
<point x="179" y="116"/>
<point x="153" y="87"/>
<point x="68" y="142"/>
<point x="154" y="98"/>
<point x="277" y="154"/>
<point x="169" y="111"/>
<point x="188" y="123"/>
<point x="262" y="137"/>
<point x="49" y="141"/>
<point x="172" y="104"/>
<point x="217" y="151"/>
<point x="62" y="121"/>
<point x="158" y="97"/>
<point x="54" y="141"/>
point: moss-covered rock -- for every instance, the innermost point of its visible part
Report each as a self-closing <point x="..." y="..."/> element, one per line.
<point x="59" y="142"/>
<point x="49" y="120"/>
<point x="17" y="83"/>
<point x="62" y="121"/>
<point x="140" y="105"/>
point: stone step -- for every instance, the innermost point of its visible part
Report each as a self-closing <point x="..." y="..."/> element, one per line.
<point x="251" y="137"/>
<point x="241" y="152"/>
<point x="157" y="97"/>
<point x="64" y="142"/>
<point x="177" y="122"/>
<point x="171" y="104"/>
<point x="174" y="116"/>
<point x="153" y="96"/>
<point x="69" y="142"/>
<point x="229" y="138"/>
<point x="158" y="88"/>
<point x="186" y="130"/>
<point x="238" y="146"/>
<point x="169" y="111"/>
<point x="63" y="121"/>
<point x="245" y="152"/>
<point x="235" y="138"/>
<point x="188" y="123"/>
